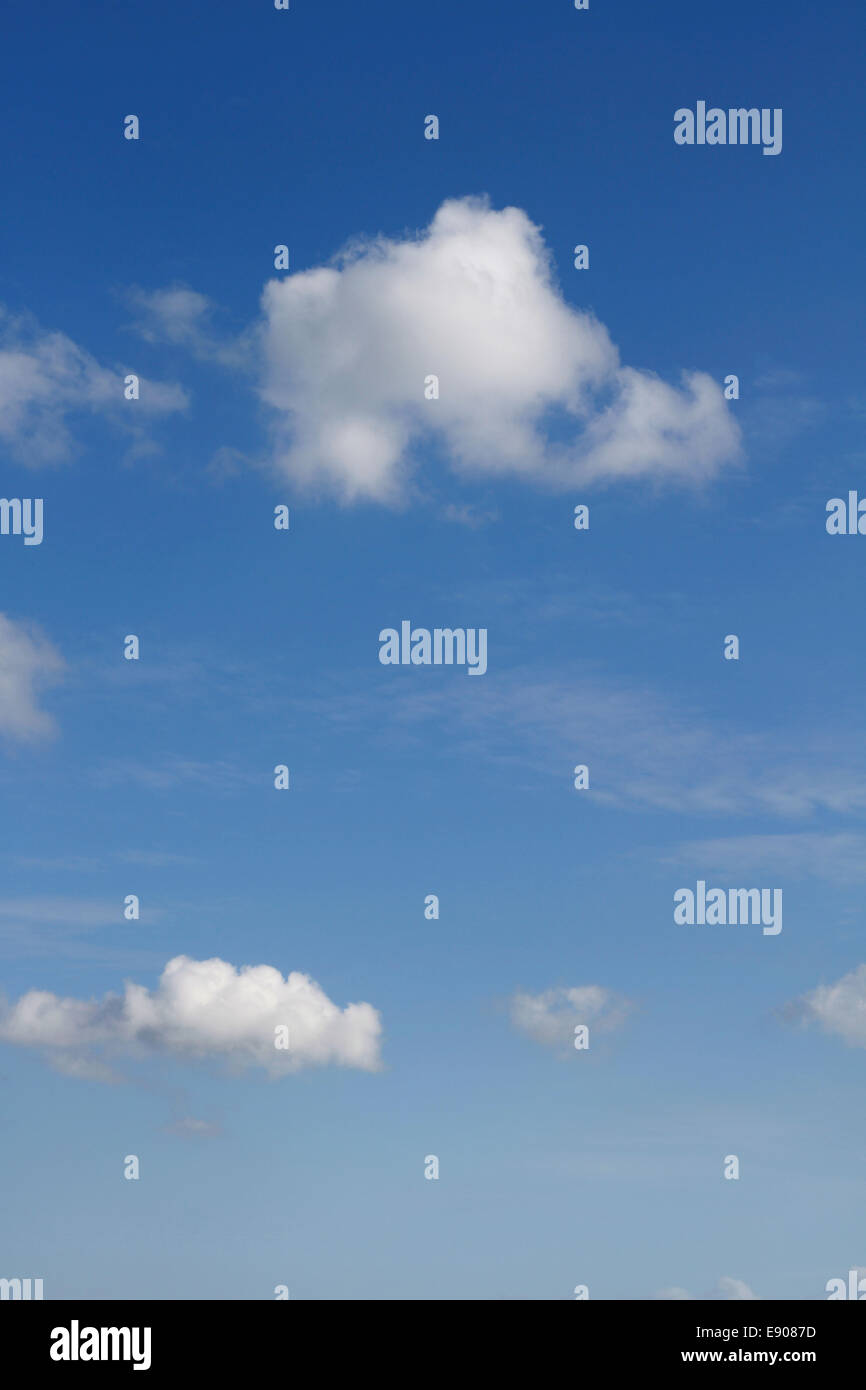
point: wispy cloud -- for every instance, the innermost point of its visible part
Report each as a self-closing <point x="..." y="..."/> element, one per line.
<point x="188" y="1127"/>
<point x="181" y="316"/>
<point x="219" y="775"/>
<point x="46" y="380"/>
<point x="59" y="927"/>
<point x="29" y="663"/>
<point x="86" y="864"/>
<point x="838" y="857"/>
<point x="643" y="749"/>
<point x="72" y="912"/>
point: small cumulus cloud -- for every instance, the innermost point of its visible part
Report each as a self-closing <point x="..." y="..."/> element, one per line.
<point x="201" y="1010"/>
<point x="174" y="315"/>
<point x="551" y="1017"/>
<point x="839" y="1008"/>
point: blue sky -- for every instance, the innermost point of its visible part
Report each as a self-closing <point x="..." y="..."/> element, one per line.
<point x="260" y="647"/>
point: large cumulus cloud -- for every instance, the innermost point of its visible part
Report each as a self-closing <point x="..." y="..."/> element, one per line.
<point x="529" y="386"/>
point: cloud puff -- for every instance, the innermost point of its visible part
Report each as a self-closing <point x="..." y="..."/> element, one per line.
<point x="183" y="317"/>
<point x="201" y="1010"/>
<point x="174" y="315"/>
<point x="45" y="377"/>
<point x="528" y="385"/>
<point x="727" y="1289"/>
<point x="550" y="1018"/>
<point x="838" y="1008"/>
<point x="28" y="662"/>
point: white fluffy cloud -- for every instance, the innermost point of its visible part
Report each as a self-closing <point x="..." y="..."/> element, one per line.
<point x="200" y="1009"/>
<point x="529" y="386"/>
<point x="28" y="662"/>
<point x="839" y="1008"/>
<point x="45" y="378"/>
<point x="550" y="1018"/>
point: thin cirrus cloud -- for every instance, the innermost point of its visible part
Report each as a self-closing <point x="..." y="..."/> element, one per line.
<point x="29" y="663"/>
<point x="647" y="749"/>
<point x="200" y="1010"/>
<point x="836" y="856"/>
<point x="52" y="911"/>
<point x="167" y="773"/>
<point x="46" y="379"/>
<point x="550" y="1017"/>
<point x="65" y="928"/>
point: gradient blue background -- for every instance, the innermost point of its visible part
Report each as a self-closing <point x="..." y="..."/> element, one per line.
<point x="258" y="647"/>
